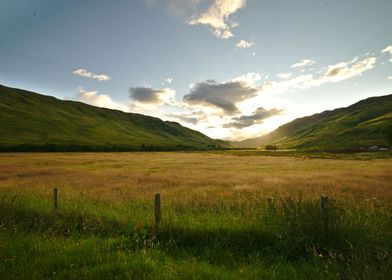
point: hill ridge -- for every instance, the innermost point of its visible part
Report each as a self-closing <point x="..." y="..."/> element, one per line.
<point x="32" y="121"/>
<point x="363" y="123"/>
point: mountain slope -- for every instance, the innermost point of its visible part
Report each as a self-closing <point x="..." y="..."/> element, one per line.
<point x="361" y="124"/>
<point x="31" y="119"/>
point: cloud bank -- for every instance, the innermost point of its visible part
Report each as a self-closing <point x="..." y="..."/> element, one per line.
<point x="147" y="95"/>
<point x="257" y="117"/>
<point x="240" y="106"/>
<point x="223" y="96"/>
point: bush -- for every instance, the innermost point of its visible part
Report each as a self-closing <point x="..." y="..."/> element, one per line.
<point x="271" y="147"/>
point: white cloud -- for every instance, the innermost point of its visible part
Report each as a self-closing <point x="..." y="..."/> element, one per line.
<point x="388" y="50"/>
<point x="268" y="90"/>
<point x="217" y="17"/>
<point x="345" y="70"/>
<point x="390" y="78"/>
<point x="212" y="13"/>
<point x="166" y="81"/>
<point x="245" y="44"/>
<point x="284" y="76"/>
<point x="99" y="100"/>
<point x="331" y="74"/>
<point x="250" y="78"/>
<point x="298" y="82"/>
<point x="88" y="74"/>
<point x="303" y="63"/>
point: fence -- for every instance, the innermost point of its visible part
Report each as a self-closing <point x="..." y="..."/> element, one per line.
<point x="324" y="207"/>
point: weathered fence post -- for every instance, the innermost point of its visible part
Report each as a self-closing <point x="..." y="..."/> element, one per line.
<point x="55" y="192"/>
<point x="157" y="209"/>
<point x="324" y="211"/>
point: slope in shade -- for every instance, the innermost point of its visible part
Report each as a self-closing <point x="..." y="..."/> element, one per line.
<point x="363" y="124"/>
<point x="30" y="121"/>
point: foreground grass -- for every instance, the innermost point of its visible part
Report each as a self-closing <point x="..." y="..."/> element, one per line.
<point x="222" y="218"/>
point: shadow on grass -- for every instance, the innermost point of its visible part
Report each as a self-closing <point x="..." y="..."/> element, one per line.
<point x="15" y="216"/>
<point x="289" y="229"/>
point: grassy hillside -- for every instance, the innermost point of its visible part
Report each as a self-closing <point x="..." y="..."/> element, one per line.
<point x="362" y="124"/>
<point x="31" y="120"/>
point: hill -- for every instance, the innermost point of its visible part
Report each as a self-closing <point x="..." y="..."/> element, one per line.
<point x="362" y="124"/>
<point x="31" y="121"/>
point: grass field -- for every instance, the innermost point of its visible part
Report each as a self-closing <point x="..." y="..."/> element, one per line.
<point x="224" y="216"/>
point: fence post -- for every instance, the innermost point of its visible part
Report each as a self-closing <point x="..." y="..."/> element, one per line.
<point x="55" y="192"/>
<point x="157" y="209"/>
<point x="324" y="211"/>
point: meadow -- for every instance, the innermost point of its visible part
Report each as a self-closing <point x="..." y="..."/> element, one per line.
<point x="225" y="215"/>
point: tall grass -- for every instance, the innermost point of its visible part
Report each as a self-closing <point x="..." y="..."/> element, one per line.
<point x="284" y="231"/>
<point x="227" y="226"/>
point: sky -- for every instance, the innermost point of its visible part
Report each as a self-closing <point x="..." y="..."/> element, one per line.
<point x="232" y="69"/>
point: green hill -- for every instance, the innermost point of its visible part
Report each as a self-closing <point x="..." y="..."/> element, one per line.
<point x="363" y="124"/>
<point x="31" y="121"/>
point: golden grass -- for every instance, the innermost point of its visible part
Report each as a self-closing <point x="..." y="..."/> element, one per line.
<point x="219" y="220"/>
<point x="183" y="177"/>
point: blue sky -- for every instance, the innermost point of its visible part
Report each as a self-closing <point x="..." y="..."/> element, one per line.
<point x="229" y="68"/>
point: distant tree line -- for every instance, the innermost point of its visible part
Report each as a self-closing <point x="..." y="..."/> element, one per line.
<point x="51" y="147"/>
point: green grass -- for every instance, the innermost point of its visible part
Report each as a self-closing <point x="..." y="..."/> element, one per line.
<point x="273" y="238"/>
<point x="362" y="124"/>
<point x="29" y="121"/>
<point x="225" y="215"/>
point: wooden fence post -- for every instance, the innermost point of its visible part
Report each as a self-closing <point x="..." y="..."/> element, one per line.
<point x="55" y="192"/>
<point x="324" y="211"/>
<point x="157" y="209"/>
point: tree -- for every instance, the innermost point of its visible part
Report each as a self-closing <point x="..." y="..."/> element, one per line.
<point x="271" y="147"/>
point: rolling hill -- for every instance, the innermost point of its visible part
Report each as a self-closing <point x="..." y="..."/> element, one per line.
<point x="362" y="124"/>
<point x="31" y="121"/>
